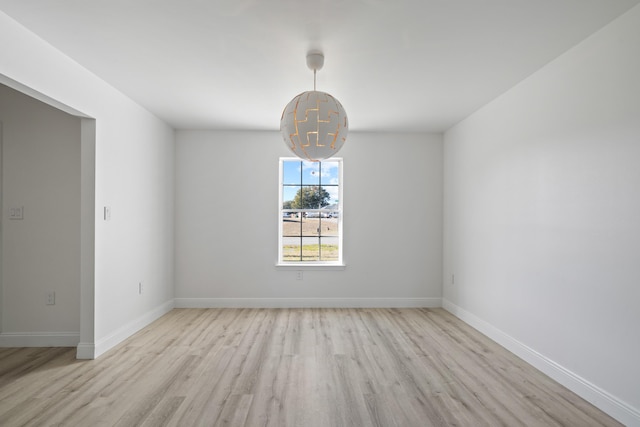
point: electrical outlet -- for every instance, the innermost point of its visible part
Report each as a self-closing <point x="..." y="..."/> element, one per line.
<point x="51" y="298"/>
<point x="299" y="275"/>
<point x="16" y="213"/>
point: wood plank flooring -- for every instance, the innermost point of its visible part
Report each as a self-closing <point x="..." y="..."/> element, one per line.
<point x="289" y="367"/>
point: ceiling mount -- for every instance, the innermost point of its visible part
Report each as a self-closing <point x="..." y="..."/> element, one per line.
<point x="315" y="60"/>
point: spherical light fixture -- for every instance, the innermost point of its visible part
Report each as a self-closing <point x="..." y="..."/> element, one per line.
<point x="314" y="124"/>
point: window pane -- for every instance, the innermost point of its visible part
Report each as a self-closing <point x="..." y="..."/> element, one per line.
<point x="311" y="197"/>
<point x="291" y="171"/>
<point x="329" y="249"/>
<point x="331" y="182"/>
<point x="291" y="250"/>
<point x="329" y="226"/>
<point x="311" y="225"/>
<point x="291" y="225"/>
<point x="330" y="173"/>
<point x="310" y="249"/>
<point x="288" y="194"/>
<point x="310" y="173"/>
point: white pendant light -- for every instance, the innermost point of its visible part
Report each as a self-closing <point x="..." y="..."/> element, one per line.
<point x="314" y="125"/>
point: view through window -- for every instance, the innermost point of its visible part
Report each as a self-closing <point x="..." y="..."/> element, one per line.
<point x="310" y="211"/>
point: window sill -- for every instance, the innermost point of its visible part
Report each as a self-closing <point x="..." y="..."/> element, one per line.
<point x="311" y="267"/>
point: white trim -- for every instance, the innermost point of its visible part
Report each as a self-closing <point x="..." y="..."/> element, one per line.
<point x="86" y="351"/>
<point x="121" y="334"/>
<point x="308" y="302"/>
<point x="39" y="339"/>
<point x="311" y="266"/>
<point x="16" y="85"/>
<point x="600" y="398"/>
<point x="87" y="238"/>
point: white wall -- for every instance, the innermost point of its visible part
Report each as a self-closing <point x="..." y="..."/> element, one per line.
<point x="227" y="223"/>
<point x="41" y="253"/>
<point x="133" y="162"/>
<point x="542" y="208"/>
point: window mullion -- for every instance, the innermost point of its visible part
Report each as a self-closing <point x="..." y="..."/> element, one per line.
<point x="301" y="215"/>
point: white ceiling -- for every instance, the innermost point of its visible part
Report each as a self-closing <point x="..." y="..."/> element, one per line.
<point x="395" y="65"/>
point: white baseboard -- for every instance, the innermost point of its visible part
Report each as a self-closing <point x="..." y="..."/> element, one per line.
<point x="307" y="302"/>
<point x="598" y="397"/>
<point x="119" y="335"/>
<point x="86" y="351"/>
<point x="39" y="339"/>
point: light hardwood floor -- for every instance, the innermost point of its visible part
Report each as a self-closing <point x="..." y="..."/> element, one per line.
<point x="289" y="367"/>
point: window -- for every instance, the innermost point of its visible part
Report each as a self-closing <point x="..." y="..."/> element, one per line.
<point x="310" y="214"/>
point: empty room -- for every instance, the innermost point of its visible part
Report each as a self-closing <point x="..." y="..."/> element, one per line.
<point x="334" y="213"/>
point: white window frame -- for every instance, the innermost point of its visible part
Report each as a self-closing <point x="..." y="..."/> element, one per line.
<point x="311" y="265"/>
